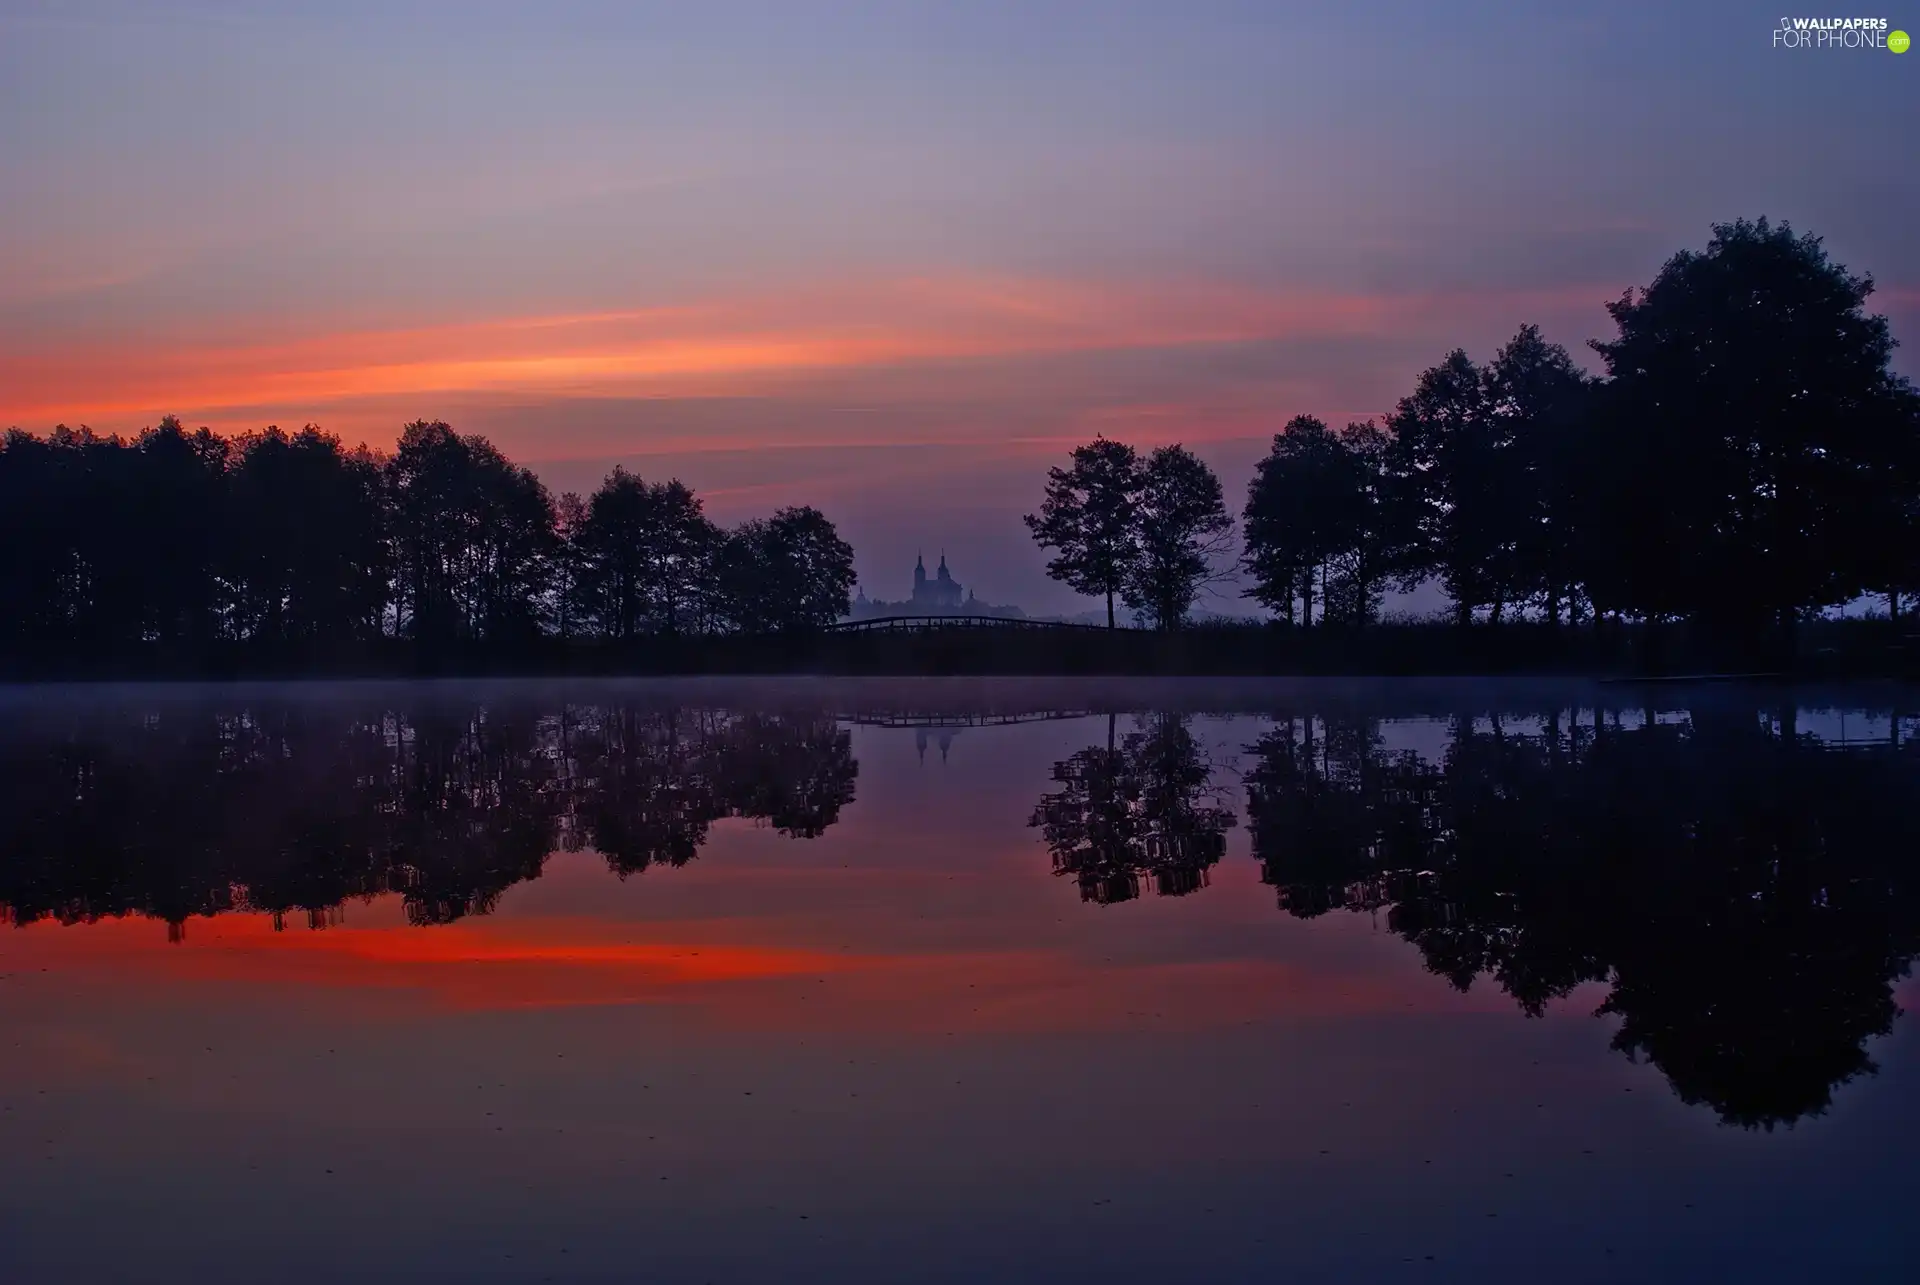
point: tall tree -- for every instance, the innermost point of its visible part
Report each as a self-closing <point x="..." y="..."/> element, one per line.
<point x="1461" y="474"/>
<point x="615" y="538"/>
<point x="569" y="608"/>
<point x="472" y="533"/>
<point x="1182" y="529"/>
<point x="180" y="483"/>
<point x="46" y="588"/>
<point x="1088" y="516"/>
<point x="645" y="554"/>
<point x="1539" y="398"/>
<point x="1372" y="542"/>
<point x="1750" y="427"/>
<point x="787" y="574"/>
<point x="1300" y="516"/>
<point x="1888" y="526"/>
<point x="308" y="556"/>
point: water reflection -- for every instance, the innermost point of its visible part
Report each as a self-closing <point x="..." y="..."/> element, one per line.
<point x="296" y="810"/>
<point x="1745" y="891"/>
<point x="1741" y="889"/>
<point x="1146" y="806"/>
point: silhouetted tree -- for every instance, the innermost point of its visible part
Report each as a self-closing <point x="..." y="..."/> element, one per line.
<point x="50" y="589"/>
<point x="645" y="556"/>
<point x="1461" y="470"/>
<point x="1321" y="522"/>
<point x="570" y="592"/>
<point x="1752" y="416"/>
<point x="1089" y="516"/>
<point x="1182" y="529"/>
<point x="787" y="574"/>
<point x="305" y="539"/>
<point x="1540" y="399"/>
<point x="1295" y="517"/>
<point x="179" y="495"/>
<point x="472" y="534"/>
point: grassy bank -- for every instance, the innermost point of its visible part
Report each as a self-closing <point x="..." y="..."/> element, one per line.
<point x="1819" y="649"/>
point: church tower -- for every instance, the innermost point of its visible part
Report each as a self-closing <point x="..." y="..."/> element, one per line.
<point x="919" y="576"/>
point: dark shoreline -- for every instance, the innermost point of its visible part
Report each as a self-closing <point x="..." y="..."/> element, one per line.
<point x="1819" y="651"/>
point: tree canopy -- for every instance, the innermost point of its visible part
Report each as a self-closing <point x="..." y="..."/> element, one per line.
<point x="295" y="543"/>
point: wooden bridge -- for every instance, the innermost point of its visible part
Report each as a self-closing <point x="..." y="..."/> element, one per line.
<point x="931" y="719"/>
<point x="927" y="624"/>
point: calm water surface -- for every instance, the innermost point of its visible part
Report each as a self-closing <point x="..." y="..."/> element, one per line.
<point x="957" y="982"/>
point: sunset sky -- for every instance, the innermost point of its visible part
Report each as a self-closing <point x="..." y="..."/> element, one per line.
<point x="891" y="259"/>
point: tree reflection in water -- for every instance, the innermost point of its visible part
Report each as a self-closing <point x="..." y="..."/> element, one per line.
<point x="299" y="809"/>
<point x="1745" y="893"/>
<point x="1144" y="807"/>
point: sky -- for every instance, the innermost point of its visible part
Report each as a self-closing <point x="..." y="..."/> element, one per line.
<point x="889" y="259"/>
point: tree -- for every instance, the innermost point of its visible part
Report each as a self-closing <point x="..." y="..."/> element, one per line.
<point x="1888" y="527"/>
<point x="173" y="515"/>
<point x="1753" y="418"/>
<point x="1458" y="471"/>
<point x="645" y="554"/>
<point x="472" y="533"/>
<point x="613" y="540"/>
<point x="1372" y="547"/>
<point x="307" y="550"/>
<point x="47" y="583"/>
<point x="1539" y="398"/>
<point x="569" y="608"/>
<point x="1089" y="516"/>
<point x="1319" y="521"/>
<point x="1182" y="526"/>
<point x="787" y="574"/>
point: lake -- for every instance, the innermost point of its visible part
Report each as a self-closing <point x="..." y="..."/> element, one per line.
<point x="958" y="981"/>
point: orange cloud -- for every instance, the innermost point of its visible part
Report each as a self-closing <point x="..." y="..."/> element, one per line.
<point x="716" y="347"/>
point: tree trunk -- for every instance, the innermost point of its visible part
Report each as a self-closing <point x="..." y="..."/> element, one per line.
<point x="1109" y="608"/>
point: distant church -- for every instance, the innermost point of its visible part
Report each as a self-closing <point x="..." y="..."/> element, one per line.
<point x="936" y="595"/>
<point x="942" y="593"/>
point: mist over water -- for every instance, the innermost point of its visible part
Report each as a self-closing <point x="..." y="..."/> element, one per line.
<point x="958" y="980"/>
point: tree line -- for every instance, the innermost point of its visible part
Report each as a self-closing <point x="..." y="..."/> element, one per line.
<point x="182" y="538"/>
<point x="1746" y="457"/>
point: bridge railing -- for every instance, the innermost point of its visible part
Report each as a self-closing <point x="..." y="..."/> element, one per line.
<point x="919" y="624"/>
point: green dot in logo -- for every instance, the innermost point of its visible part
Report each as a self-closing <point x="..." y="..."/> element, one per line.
<point x="1897" y="41"/>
